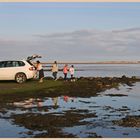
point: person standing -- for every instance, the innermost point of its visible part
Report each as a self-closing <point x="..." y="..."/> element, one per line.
<point x="72" y="70"/>
<point x="65" y="71"/>
<point x="55" y="70"/>
<point x="40" y="70"/>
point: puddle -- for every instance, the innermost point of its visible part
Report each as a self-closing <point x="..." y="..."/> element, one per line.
<point x="7" y="130"/>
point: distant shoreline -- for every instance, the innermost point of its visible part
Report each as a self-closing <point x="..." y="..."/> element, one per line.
<point x="105" y="62"/>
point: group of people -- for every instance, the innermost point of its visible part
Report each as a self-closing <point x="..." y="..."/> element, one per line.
<point x="55" y="70"/>
<point x="65" y="71"/>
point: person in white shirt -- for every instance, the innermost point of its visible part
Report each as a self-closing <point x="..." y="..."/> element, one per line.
<point x="55" y="70"/>
<point x="72" y="71"/>
<point x="41" y="72"/>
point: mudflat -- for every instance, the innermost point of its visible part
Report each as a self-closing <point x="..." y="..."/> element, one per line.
<point x="35" y="106"/>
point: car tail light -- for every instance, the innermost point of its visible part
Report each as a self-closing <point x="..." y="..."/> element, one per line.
<point x="31" y="68"/>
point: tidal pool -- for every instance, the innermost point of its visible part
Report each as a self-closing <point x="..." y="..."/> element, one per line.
<point x="73" y="116"/>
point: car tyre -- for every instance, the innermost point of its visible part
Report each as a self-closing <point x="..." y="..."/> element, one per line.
<point x="20" y="78"/>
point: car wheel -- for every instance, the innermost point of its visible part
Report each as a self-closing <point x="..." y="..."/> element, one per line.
<point x="20" y="78"/>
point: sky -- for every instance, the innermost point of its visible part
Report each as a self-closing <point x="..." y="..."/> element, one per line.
<point x="70" y="31"/>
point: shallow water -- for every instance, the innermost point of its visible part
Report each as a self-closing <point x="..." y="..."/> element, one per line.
<point x="107" y="109"/>
<point x="9" y="130"/>
<point x="97" y="70"/>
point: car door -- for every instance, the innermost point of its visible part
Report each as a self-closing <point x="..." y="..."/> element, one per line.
<point x="8" y="71"/>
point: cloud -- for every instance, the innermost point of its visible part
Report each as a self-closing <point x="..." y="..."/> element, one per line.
<point x="79" y="45"/>
<point x="98" y="43"/>
<point x="79" y="33"/>
<point x="115" y="41"/>
<point x="129" y="30"/>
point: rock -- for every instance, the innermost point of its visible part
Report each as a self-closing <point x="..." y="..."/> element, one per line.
<point x="133" y="77"/>
<point x="81" y="78"/>
<point x="49" y="78"/>
<point x="124" y="77"/>
<point x="60" y="78"/>
<point x="129" y="121"/>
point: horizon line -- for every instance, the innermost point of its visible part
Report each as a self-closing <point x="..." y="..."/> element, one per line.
<point x="94" y="62"/>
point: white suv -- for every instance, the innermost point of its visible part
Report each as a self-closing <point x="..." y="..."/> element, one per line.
<point x="19" y="71"/>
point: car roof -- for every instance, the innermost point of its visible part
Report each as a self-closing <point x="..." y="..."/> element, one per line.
<point x="11" y="60"/>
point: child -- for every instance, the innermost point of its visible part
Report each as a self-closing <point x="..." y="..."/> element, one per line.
<point x="72" y="73"/>
<point x="65" y="71"/>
